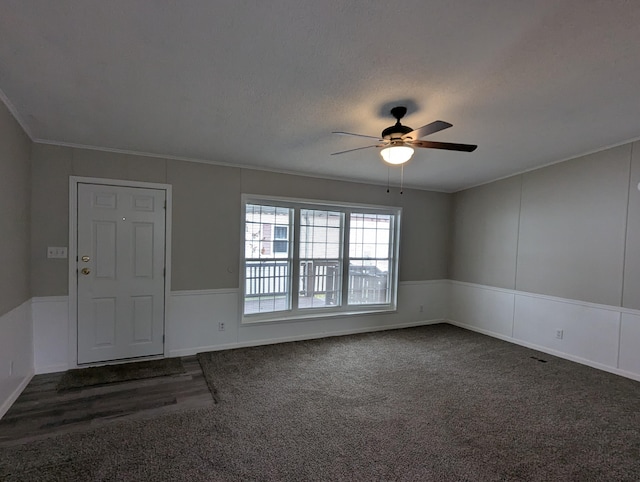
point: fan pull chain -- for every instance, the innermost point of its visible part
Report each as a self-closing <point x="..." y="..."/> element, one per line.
<point x="401" y="177"/>
<point x="388" y="177"/>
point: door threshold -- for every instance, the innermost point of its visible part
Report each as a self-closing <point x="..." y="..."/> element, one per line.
<point x="120" y="361"/>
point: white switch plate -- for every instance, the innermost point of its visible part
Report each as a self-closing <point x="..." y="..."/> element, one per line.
<point x="56" y="252"/>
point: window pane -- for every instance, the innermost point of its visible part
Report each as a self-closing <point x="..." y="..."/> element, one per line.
<point x="369" y="257"/>
<point x="320" y="282"/>
<point x="267" y="231"/>
<point x="318" y="237"/>
<point x="368" y="284"/>
<point x="267" y="259"/>
<point x="266" y="286"/>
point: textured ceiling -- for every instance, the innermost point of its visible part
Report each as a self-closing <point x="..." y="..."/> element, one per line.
<point x="263" y="84"/>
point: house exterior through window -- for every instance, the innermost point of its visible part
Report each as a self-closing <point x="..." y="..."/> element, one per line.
<point x="313" y="258"/>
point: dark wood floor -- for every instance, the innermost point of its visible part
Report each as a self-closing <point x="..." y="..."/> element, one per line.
<point x="41" y="411"/>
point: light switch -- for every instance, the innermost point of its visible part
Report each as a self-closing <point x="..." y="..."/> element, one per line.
<point x="57" y="252"/>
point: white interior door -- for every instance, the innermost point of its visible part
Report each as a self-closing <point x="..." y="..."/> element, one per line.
<point x="121" y="272"/>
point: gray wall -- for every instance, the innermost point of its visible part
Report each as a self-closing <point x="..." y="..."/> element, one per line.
<point x="485" y="234"/>
<point x="426" y="216"/>
<point x="15" y="199"/>
<point x="631" y="287"/>
<point x="206" y="214"/>
<point x="570" y="230"/>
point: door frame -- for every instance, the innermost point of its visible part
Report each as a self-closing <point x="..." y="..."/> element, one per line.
<point x="73" y="260"/>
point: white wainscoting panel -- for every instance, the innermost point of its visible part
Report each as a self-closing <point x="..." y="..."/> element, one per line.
<point x="433" y="296"/>
<point x="194" y="318"/>
<point x="601" y="336"/>
<point x="50" y="333"/>
<point x="629" y="359"/>
<point x="486" y="309"/>
<point x="588" y="332"/>
<point x="16" y="354"/>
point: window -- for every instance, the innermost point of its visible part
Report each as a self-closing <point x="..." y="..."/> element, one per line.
<point x="267" y="271"/>
<point x="369" y="258"/>
<point x="306" y="259"/>
<point x="280" y="239"/>
<point x="320" y="277"/>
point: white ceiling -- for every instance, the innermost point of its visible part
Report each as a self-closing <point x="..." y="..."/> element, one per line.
<point x="263" y="84"/>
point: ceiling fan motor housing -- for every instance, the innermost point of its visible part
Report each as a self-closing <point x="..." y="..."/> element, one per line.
<point x="396" y="131"/>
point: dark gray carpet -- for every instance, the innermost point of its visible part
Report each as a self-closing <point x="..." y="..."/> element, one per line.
<point x="430" y="403"/>
<point x="88" y="377"/>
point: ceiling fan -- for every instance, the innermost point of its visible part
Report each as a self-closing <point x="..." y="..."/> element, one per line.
<point x="398" y="141"/>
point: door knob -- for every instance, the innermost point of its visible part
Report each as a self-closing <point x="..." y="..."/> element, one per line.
<point x="85" y="271"/>
<point x="85" y="259"/>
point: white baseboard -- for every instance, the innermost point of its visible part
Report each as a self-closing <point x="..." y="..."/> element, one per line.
<point x="16" y="354"/>
<point x="194" y="317"/>
<point x="482" y="331"/>
<point x="6" y="405"/>
<point x="61" y="367"/>
<point x="600" y="336"/>
<point x="550" y="351"/>
<point x="272" y="341"/>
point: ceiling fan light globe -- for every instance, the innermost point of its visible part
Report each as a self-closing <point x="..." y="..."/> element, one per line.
<point x="396" y="155"/>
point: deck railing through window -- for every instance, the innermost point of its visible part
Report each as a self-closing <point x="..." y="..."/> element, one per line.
<point x="266" y="278"/>
<point x="270" y="278"/>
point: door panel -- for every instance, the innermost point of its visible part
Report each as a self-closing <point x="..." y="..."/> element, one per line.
<point x="104" y="317"/>
<point x="142" y="255"/>
<point x="121" y="287"/>
<point x="105" y="249"/>
<point x="142" y="319"/>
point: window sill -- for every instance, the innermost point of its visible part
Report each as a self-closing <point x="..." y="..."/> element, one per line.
<point x="280" y="318"/>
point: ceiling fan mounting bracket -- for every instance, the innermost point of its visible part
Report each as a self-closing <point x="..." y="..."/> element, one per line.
<point x="399" y="112"/>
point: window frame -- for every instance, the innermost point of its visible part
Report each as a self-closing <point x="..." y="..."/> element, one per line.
<point x="344" y="309"/>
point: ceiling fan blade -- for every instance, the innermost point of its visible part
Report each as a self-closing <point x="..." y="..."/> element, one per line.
<point x="449" y="146"/>
<point x="432" y="128"/>
<point x="357" y="149"/>
<point x="356" y="135"/>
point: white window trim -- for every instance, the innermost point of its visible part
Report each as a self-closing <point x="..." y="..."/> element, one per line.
<point x="315" y="313"/>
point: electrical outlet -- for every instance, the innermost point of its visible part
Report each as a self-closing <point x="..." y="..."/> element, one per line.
<point x="221" y="326"/>
<point x="421" y="308"/>
<point x="559" y="334"/>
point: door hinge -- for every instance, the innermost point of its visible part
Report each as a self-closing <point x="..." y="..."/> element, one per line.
<point x="165" y="204"/>
<point x="163" y="338"/>
<point x="164" y="272"/>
